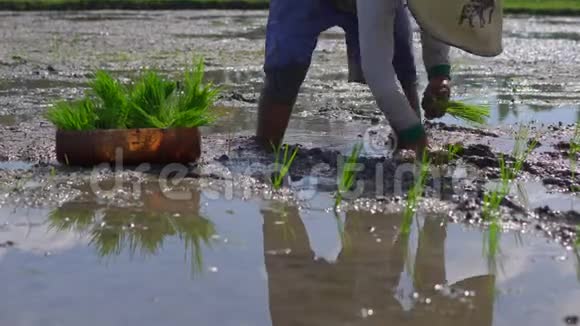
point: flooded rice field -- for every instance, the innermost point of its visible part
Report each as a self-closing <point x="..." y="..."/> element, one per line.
<point x="213" y="244"/>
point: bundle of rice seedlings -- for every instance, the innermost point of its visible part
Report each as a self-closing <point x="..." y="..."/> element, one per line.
<point x="467" y="112"/>
<point x="151" y="102"/>
<point x="76" y="115"/>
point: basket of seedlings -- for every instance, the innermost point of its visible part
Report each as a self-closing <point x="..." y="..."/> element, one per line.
<point x="151" y="120"/>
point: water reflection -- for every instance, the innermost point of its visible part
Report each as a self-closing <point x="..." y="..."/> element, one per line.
<point x="143" y="230"/>
<point x="369" y="278"/>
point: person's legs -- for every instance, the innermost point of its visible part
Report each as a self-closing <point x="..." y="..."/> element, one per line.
<point x="276" y="102"/>
<point x="355" y="73"/>
<point x="291" y="37"/>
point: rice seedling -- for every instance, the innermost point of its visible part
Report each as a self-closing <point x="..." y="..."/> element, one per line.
<point x="348" y="175"/>
<point x="470" y="113"/>
<point x="491" y="203"/>
<point x="509" y="172"/>
<point x="522" y="149"/>
<point x="523" y="195"/>
<point x="523" y="146"/>
<point x="77" y="115"/>
<point x="282" y="167"/>
<point x="151" y="102"/>
<point x="452" y="150"/>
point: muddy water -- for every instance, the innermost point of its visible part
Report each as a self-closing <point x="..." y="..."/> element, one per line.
<point x="233" y="262"/>
<point x="219" y="248"/>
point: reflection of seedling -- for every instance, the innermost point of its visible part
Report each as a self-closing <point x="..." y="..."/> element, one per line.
<point x="492" y="244"/>
<point x="467" y="112"/>
<point x="413" y="197"/>
<point x="415" y="194"/>
<point x="152" y="102"/>
<point x="347" y="177"/>
<point x="452" y="150"/>
<point x="144" y="232"/>
<point x="288" y="232"/>
<point x="282" y="168"/>
<point x="344" y="236"/>
<point x="492" y="199"/>
<point x="77" y="220"/>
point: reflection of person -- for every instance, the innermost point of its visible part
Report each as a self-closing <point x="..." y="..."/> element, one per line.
<point x="305" y="291"/>
<point x="429" y="271"/>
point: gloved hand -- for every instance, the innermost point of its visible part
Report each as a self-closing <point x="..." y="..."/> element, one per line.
<point x="414" y="139"/>
<point x="436" y="96"/>
<point x="418" y="146"/>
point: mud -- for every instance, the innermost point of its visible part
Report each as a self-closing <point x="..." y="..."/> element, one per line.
<point x="221" y="206"/>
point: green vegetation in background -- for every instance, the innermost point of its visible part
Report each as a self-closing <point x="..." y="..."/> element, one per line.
<point x="559" y="7"/>
<point x="562" y="7"/>
<point x="151" y="102"/>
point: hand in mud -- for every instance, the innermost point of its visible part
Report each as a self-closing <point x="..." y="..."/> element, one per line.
<point x="435" y="97"/>
<point x="418" y="147"/>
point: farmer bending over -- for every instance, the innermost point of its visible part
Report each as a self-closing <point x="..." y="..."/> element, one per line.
<point x="292" y="34"/>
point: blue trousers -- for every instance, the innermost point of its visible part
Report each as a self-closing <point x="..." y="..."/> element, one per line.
<point x="292" y="34"/>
